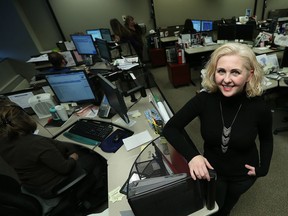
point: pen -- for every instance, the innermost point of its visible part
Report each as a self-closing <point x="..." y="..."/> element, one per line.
<point x="92" y="111"/>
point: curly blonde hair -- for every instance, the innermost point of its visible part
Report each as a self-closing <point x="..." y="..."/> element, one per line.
<point x="253" y="86"/>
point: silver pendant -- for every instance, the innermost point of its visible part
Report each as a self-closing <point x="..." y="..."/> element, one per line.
<point x="224" y="148"/>
<point x="225" y="139"/>
<point x="226" y="131"/>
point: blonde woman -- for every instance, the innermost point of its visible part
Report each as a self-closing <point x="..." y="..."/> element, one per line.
<point x="232" y="115"/>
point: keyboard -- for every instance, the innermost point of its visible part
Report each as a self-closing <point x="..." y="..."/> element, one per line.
<point x="92" y="129"/>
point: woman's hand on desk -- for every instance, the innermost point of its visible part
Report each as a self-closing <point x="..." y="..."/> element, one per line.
<point x="74" y="156"/>
<point x="199" y="166"/>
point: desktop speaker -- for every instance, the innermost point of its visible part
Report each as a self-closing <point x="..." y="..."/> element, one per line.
<point x="41" y="104"/>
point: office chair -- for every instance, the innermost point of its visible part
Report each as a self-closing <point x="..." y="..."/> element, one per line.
<point x="16" y="200"/>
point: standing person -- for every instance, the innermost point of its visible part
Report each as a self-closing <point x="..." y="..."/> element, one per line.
<point x="232" y="115"/>
<point x="188" y="27"/>
<point x="121" y="34"/>
<point x="137" y="34"/>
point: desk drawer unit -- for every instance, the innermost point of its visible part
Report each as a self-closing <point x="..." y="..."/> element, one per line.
<point x="179" y="74"/>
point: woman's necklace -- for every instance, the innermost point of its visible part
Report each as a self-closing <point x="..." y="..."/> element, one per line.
<point x="227" y="131"/>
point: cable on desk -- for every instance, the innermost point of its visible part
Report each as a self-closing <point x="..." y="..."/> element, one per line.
<point x="137" y="100"/>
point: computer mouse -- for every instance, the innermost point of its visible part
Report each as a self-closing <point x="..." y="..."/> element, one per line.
<point x="117" y="137"/>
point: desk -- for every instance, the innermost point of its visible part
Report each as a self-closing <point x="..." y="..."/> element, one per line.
<point x="169" y="39"/>
<point x="120" y="163"/>
<point x="211" y="48"/>
<point x="201" y="49"/>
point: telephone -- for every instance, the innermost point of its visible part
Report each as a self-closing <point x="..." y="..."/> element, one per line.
<point x="104" y="108"/>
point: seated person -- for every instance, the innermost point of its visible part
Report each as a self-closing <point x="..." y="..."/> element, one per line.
<point x="58" y="62"/>
<point x="188" y="27"/>
<point x="42" y="163"/>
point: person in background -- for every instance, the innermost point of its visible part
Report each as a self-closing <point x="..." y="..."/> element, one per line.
<point x="121" y="34"/>
<point x="124" y="35"/>
<point x="233" y="115"/>
<point x="58" y="62"/>
<point x="137" y="34"/>
<point x="188" y="27"/>
<point x="42" y="163"/>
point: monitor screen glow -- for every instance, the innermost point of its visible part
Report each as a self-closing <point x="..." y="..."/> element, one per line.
<point x="206" y="25"/>
<point x="72" y="86"/>
<point x="197" y="25"/>
<point x="95" y="33"/>
<point x="84" y="44"/>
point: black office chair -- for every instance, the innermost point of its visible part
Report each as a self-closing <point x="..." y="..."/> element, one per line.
<point x="15" y="200"/>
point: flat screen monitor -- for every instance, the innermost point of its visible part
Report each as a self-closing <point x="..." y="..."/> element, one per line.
<point x="197" y="25"/>
<point x="72" y="86"/>
<point x="106" y="34"/>
<point x="115" y="98"/>
<point x="226" y="32"/>
<point x="206" y="25"/>
<point x="245" y="32"/>
<point x="84" y="44"/>
<point x="95" y="33"/>
<point x="104" y="51"/>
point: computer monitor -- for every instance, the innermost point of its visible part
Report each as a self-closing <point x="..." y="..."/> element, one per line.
<point x="244" y="32"/>
<point x="104" y="50"/>
<point x="106" y="34"/>
<point x="84" y="44"/>
<point x="95" y="33"/>
<point x="206" y="25"/>
<point x="197" y="25"/>
<point x="72" y="86"/>
<point x="226" y="32"/>
<point x="115" y="98"/>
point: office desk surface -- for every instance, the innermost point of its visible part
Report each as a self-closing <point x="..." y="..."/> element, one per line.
<point x="211" y="48"/>
<point x="119" y="163"/>
<point x="201" y="49"/>
<point x="168" y="39"/>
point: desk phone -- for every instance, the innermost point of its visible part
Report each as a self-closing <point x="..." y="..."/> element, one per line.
<point x="104" y="108"/>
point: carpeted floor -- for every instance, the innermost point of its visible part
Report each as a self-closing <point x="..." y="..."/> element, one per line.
<point x="269" y="195"/>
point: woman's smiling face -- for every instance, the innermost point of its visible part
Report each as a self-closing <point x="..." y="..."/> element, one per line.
<point x="231" y="75"/>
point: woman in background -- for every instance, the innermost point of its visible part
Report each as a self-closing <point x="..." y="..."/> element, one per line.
<point x="137" y="34"/>
<point x="232" y="115"/>
<point x="188" y="27"/>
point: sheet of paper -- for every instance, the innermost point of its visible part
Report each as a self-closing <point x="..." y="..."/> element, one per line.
<point x="137" y="140"/>
<point x="21" y="99"/>
<point x="40" y="58"/>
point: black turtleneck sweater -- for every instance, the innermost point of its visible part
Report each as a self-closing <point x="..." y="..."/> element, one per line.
<point x="254" y="119"/>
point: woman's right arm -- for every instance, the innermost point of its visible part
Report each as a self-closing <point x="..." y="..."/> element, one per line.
<point x="173" y="132"/>
<point x="54" y="159"/>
